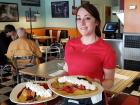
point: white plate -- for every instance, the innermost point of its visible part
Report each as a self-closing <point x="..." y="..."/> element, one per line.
<point x="92" y="93"/>
<point x="19" y="87"/>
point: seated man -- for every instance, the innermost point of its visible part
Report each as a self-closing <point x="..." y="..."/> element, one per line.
<point x="9" y="34"/>
<point x="22" y="45"/>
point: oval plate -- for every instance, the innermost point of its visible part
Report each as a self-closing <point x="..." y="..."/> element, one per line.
<point x="19" y="87"/>
<point x="73" y="96"/>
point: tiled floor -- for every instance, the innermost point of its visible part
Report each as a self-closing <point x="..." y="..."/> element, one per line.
<point x="5" y="87"/>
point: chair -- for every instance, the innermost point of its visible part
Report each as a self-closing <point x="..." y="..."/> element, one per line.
<point x="60" y="45"/>
<point x="63" y="35"/>
<point x="55" y="51"/>
<point x="58" y="35"/>
<point x="21" y="62"/>
<point x="22" y="59"/>
<point x="47" y="32"/>
<point x="3" y="68"/>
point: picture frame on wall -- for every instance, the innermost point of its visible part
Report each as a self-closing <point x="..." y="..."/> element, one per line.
<point x="84" y="2"/>
<point x="74" y="8"/>
<point x="60" y="9"/>
<point x="30" y="3"/>
<point x="107" y="13"/>
<point x="31" y="18"/>
<point x="9" y="12"/>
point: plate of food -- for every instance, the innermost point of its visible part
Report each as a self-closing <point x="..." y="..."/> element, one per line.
<point x="74" y="87"/>
<point x="31" y="93"/>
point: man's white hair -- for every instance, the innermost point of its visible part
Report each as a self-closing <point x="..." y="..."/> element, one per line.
<point x="21" y="32"/>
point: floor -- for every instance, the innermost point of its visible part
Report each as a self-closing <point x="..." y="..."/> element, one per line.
<point x="7" y="85"/>
<point x="5" y="88"/>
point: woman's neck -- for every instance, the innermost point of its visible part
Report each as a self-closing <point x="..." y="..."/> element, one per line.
<point x="89" y="39"/>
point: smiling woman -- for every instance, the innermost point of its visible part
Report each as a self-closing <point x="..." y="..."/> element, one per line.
<point x="89" y="55"/>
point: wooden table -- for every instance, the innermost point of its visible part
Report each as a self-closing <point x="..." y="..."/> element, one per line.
<point x="123" y="79"/>
<point x="38" y="38"/>
<point x="44" y="69"/>
<point x="41" y="37"/>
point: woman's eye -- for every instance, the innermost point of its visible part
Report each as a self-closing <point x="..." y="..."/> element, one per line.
<point x="88" y="18"/>
<point x="78" y="18"/>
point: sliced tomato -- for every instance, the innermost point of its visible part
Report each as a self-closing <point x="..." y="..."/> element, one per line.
<point x="45" y="85"/>
<point x="68" y="89"/>
<point x="81" y="87"/>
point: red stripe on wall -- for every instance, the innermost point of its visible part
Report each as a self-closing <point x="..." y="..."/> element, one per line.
<point x="121" y="4"/>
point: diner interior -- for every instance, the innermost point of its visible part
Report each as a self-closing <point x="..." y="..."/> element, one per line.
<point x="51" y="25"/>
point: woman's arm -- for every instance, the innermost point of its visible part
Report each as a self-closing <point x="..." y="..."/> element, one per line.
<point x="108" y="78"/>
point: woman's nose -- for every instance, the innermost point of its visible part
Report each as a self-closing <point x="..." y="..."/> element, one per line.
<point x="83" y="22"/>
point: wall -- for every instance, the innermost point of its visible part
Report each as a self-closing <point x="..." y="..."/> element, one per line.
<point x="22" y="19"/>
<point x="132" y="17"/>
<point x="101" y="4"/>
<point x="60" y="22"/>
<point x="70" y="22"/>
<point x="46" y="21"/>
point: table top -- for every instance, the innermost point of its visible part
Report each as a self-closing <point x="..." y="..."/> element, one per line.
<point x="65" y="40"/>
<point x="43" y="69"/>
<point x="43" y="48"/>
<point x="41" y="37"/>
<point x="122" y="77"/>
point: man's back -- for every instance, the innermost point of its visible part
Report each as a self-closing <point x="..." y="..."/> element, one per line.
<point x="22" y="45"/>
<point x="4" y="42"/>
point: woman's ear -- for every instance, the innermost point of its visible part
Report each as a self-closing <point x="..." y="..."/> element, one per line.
<point x="97" y="23"/>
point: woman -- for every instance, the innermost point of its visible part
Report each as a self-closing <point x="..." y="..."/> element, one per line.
<point x="89" y="54"/>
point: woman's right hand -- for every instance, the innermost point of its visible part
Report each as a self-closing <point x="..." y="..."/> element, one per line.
<point x="97" y="80"/>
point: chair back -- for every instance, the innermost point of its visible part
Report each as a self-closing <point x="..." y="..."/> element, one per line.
<point x="58" y="35"/>
<point x="63" y="35"/>
<point x="21" y="62"/>
<point x="3" y="68"/>
<point x="53" y="52"/>
<point x="57" y="44"/>
<point x="47" y="32"/>
<point x="23" y="59"/>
